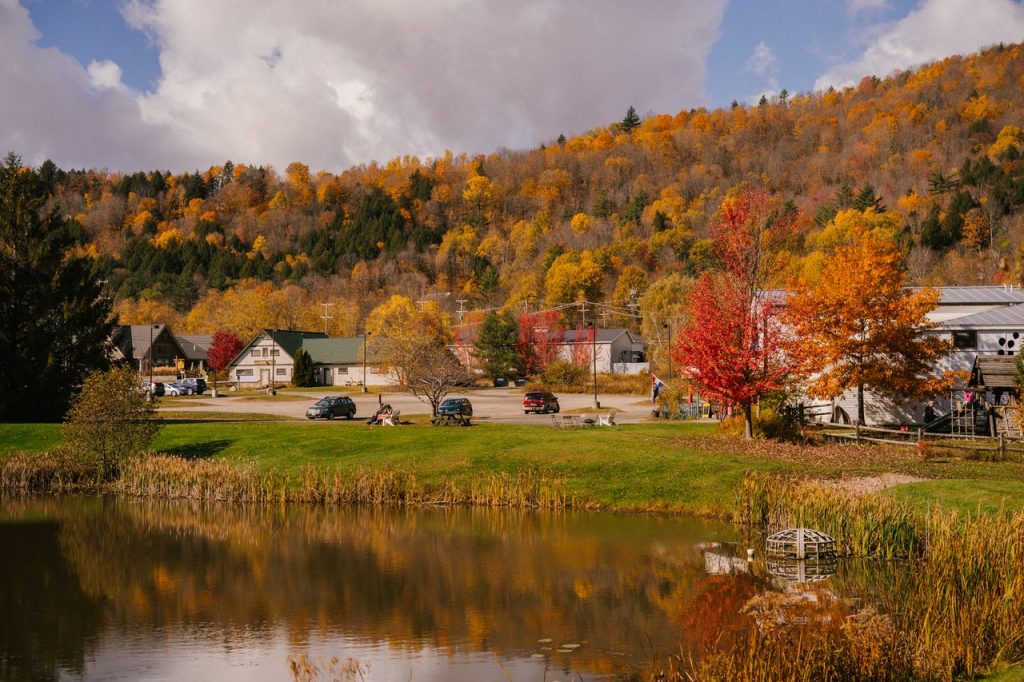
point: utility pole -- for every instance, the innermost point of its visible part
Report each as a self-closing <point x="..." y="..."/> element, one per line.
<point x="327" y="317"/>
<point x="593" y="353"/>
<point x="668" y="346"/>
<point x="462" y="309"/>
<point x="152" y="389"/>
<point x="364" y="359"/>
<point x="273" y="362"/>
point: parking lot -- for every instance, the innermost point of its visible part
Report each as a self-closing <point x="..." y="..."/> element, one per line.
<point x="497" y="405"/>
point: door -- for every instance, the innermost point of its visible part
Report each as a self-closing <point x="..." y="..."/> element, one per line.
<point x="264" y="378"/>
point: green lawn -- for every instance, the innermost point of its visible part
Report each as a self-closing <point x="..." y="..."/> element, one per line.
<point x="966" y="495"/>
<point x="658" y="465"/>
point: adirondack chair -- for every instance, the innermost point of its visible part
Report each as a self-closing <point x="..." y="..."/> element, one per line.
<point x="607" y="419"/>
<point x="392" y="419"/>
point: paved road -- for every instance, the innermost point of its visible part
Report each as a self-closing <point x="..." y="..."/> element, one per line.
<point x="500" y="405"/>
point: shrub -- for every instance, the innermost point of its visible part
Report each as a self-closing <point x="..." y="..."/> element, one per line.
<point x="770" y="423"/>
<point x="110" y="420"/>
<point x="562" y="375"/>
<point x="302" y="371"/>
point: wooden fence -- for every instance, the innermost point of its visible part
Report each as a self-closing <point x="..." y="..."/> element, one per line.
<point x="921" y="439"/>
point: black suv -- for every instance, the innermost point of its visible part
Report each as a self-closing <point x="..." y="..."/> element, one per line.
<point x="330" y="407"/>
<point x="540" y="401"/>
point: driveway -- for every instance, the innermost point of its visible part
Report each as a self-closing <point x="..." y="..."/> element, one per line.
<point x="498" y="405"/>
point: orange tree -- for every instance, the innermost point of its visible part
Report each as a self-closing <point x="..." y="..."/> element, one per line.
<point x="856" y="326"/>
<point x="733" y="344"/>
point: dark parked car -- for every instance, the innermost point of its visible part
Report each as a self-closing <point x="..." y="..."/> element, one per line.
<point x="198" y="385"/>
<point x="540" y="402"/>
<point x="156" y="389"/>
<point x="455" y="407"/>
<point x="330" y="407"/>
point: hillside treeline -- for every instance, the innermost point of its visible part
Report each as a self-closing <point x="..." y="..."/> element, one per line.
<point x="604" y="216"/>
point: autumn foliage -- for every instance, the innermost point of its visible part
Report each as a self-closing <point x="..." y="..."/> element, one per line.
<point x="540" y="337"/>
<point x="733" y="345"/>
<point x="224" y="346"/>
<point x="856" y="325"/>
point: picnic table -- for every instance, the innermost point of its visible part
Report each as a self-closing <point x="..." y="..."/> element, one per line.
<point x="450" y="420"/>
<point x="570" y="421"/>
<point x="578" y="421"/>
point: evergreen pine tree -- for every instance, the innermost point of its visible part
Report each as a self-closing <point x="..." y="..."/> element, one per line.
<point x="496" y="345"/>
<point x="302" y="372"/>
<point x="54" y="317"/>
<point x="631" y="121"/>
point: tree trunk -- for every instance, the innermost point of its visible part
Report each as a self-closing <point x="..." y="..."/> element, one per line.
<point x="748" y="421"/>
<point x="860" y="403"/>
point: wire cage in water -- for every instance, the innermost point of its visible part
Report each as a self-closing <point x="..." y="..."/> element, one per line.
<point x="801" y="543"/>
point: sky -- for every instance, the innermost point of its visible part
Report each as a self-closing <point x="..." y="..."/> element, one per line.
<point x="182" y="85"/>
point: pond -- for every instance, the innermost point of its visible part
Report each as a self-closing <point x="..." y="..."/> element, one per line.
<point x="108" y="588"/>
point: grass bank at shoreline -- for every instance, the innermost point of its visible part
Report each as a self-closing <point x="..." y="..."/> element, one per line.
<point x="659" y="466"/>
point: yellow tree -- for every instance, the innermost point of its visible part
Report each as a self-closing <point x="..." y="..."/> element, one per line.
<point x="403" y="330"/>
<point x="573" y="277"/>
<point x="856" y="326"/>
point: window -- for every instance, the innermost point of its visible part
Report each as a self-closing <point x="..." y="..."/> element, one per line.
<point x="282" y="371"/>
<point x="275" y="353"/>
<point x="343" y="370"/>
<point x="965" y="340"/>
<point x="243" y="373"/>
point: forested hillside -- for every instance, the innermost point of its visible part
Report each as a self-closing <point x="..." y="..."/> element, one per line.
<point x="593" y="217"/>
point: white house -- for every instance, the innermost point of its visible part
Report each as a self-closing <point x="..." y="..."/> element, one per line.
<point x="271" y="353"/>
<point x="342" y="362"/>
<point x="618" y="351"/>
<point x="979" y="321"/>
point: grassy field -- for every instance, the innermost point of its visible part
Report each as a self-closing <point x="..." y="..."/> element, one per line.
<point x="657" y="466"/>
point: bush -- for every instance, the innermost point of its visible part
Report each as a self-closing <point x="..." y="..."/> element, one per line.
<point x="110" y="420"/>
<point x="561" y="375"/>
<point x="302" y="370"/>
<point x="769" y="423"/>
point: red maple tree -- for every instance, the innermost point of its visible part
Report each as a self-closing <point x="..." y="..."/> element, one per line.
<point x="224" y="346"/>
<point x="733" y="345"/>
<point x="540" y="339"/>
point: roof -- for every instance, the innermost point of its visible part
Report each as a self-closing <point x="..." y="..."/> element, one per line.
<point x="133" y="340"/>
<point x="1003" y="317"/>
<point x="994" y="371"/>
<point x="195" y="346"/>
<point x="341" y="351"/>
<point x="603" y="335"/>
<point x="290" y="340"/>
<point x="978" y="295"/>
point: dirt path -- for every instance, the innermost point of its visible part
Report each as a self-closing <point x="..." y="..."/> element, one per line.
<point x="864" y="485"/>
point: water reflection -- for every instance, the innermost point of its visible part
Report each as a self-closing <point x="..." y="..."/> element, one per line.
<point x="119" y="586"/>
<point x="117" y="589"/>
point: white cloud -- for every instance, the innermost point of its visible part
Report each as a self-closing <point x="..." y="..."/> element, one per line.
<point x="53" y="108"/>
<point x="857" y="6"/>
<point x="332" y="84"/>
<point x="105" y="75"/>
<point x="935" y="29"/>
<point x="762" y="60"/>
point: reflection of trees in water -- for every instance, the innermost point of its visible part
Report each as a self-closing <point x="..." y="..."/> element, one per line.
<point x="47" y="624"/>
<point x="455" y="578"/>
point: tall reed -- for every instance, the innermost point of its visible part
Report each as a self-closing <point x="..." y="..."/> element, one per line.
<point x="171" y="477"/>
<point x="863" y="525"/>
<point x="53" y="472"/>
<point x="956" y="613"/>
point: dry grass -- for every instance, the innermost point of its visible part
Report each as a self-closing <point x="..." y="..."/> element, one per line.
<point x="956" y="615"/>
<point x="173" y="478"/>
